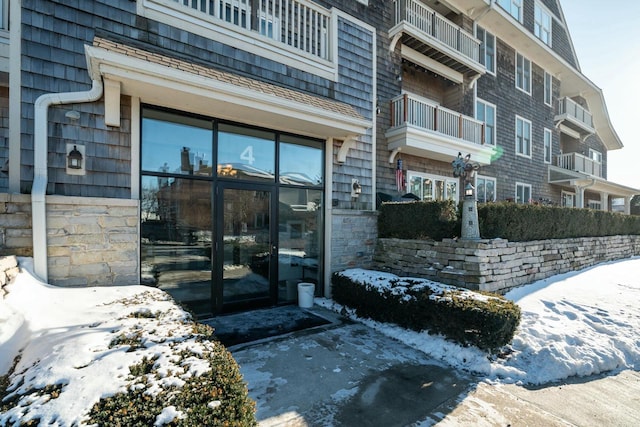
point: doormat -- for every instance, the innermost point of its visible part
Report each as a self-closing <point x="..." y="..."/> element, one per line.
<point x="240" y="328"/>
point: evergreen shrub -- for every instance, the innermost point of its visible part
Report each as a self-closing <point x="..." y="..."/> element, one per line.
<point x="485" y="320"/>
<point x="512" y="221"/>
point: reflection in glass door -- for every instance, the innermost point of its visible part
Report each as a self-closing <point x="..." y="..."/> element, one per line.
<point x="247" y="246"/>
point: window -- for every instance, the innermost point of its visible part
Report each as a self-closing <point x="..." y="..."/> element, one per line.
<point x="568" y="200"/>
<point x="548" y="138"/>
<point x="514" y="7"/>
<point x="594" y="155"/>
<point x="486" y="189"/>
<point x="486" y="113"/>
<point x="594" y="204"/>
<point x="523" y="193"/>
<point x="487" y="49"/>
<point x="542" y="24"/>
<point x="548" y="89"/>
<point x="523" y="137"/>
<point x="523" y="73"/>
<point x="432" y="187"/>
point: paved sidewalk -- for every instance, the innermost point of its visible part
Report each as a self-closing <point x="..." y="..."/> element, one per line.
<point x="347" y="374"/>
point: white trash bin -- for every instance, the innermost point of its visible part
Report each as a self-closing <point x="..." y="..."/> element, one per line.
<point x="305" y="294"/>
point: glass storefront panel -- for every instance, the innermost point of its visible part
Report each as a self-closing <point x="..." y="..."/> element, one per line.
<point x="246" y="154"/>
<point x="246" y="241"/>
<point x="301" y="162"/>
<point x="300" y="237"/>
<point x="176" y="243"/>
<point x="176" y="144"/>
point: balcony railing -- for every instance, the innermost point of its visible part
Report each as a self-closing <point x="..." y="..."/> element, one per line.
<point x="568" y="108"/>
<point x="579" y="163"/>
<point x="421" y="113"/>
<point x="438" y="27"/>
<point x="299" y="24"/>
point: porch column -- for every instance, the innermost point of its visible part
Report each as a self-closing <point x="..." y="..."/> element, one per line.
<point x="579" y="196"/>
<point x="627" y="205"/>
<point x="604" y="201"/>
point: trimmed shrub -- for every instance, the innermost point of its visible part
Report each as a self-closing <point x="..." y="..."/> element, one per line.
<point x="484" y="320"/>
<point x="512" y="221"/>
<point x="419" y="220"/>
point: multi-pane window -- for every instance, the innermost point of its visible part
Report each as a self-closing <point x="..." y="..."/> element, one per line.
<point x="514" y="7"/>
<point x="486" y="113"/>
<point x="548" y="136"/>
<point x="523" y="73"/>
<point x="432" y="187"/>
<point x="542" y="24"/>
<point x="594" y="204"/>
<point x="595" y="155"/>
<point x="568" y="200"/>
<point x="548" y="89"/>
<point x="523" y="193"/>
<point x="523" y="137"/>
<point x="486" y="189"/>
<point x="487" y="49"/>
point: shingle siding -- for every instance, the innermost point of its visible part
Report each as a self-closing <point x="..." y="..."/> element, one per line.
<point x="54" y="36"/>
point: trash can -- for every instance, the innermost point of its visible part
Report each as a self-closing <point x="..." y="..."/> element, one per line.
<point x="305" y="294"/>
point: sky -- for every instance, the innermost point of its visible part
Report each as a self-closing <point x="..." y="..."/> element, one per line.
<point x="606" y="37"/>
<point x="579" y="323"/>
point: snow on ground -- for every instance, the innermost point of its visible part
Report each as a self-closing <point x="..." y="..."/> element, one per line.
<point x="579" y="323"/>
<point x="64" y="337"/>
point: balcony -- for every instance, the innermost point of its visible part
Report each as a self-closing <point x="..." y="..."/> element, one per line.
<point x="423" y="128"/>
<point x="294" y="32"/>
<point x="575" y="117"/>
<point x="578" y="163"/>
<point x="430" y="38"/>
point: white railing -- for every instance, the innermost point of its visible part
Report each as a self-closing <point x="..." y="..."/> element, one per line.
<point x="437" y="26"/>
<point x="297" y="23"/>
<point x="579" y="163"/>
<point x="407" y="109"/>
<point x="571" y="108"/>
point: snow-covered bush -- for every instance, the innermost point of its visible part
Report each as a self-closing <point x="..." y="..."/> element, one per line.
<point x="488" y="321"/>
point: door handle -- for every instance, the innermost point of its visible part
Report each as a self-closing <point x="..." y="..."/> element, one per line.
<point x="273" y="250"/>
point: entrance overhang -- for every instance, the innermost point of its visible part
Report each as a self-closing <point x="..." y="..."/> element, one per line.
<point x="161" y="80"/>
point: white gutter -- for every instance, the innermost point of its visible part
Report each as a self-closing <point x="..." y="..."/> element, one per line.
<point x="40" y="152"/>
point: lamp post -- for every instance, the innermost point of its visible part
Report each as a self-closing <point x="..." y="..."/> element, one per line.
<point x="467" y="170"/>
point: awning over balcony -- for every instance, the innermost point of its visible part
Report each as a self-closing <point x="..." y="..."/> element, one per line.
<point x="174" y="83"/>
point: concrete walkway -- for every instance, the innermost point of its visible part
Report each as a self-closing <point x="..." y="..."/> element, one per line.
<point x="347" y="374"/>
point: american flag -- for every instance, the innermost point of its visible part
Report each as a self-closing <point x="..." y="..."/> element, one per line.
<point x="399" y="176"/>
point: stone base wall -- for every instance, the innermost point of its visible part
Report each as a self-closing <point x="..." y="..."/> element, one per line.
<point x="91" y="241"/>
<point x="15" y="225"/>
<point x="353" y="238"/>
<point x="498" y="265"/>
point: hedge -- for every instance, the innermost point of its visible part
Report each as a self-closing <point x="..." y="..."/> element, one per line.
<point x="511" y="221"/>
<point x="485" y="320"/>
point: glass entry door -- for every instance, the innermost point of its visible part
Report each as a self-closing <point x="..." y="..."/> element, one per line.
<point x="247" y="249"/>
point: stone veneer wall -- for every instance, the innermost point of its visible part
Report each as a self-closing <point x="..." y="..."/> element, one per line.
<point x="91" y="241"/>
<point x="498" y="265"/>
<point x="353" y="238"/>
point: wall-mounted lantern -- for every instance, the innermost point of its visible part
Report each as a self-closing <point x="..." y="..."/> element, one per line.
<point x="356" y="188"/>
<point x="75" y="159"/>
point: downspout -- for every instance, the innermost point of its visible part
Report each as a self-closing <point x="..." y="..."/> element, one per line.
<point x="40" y="152"/>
